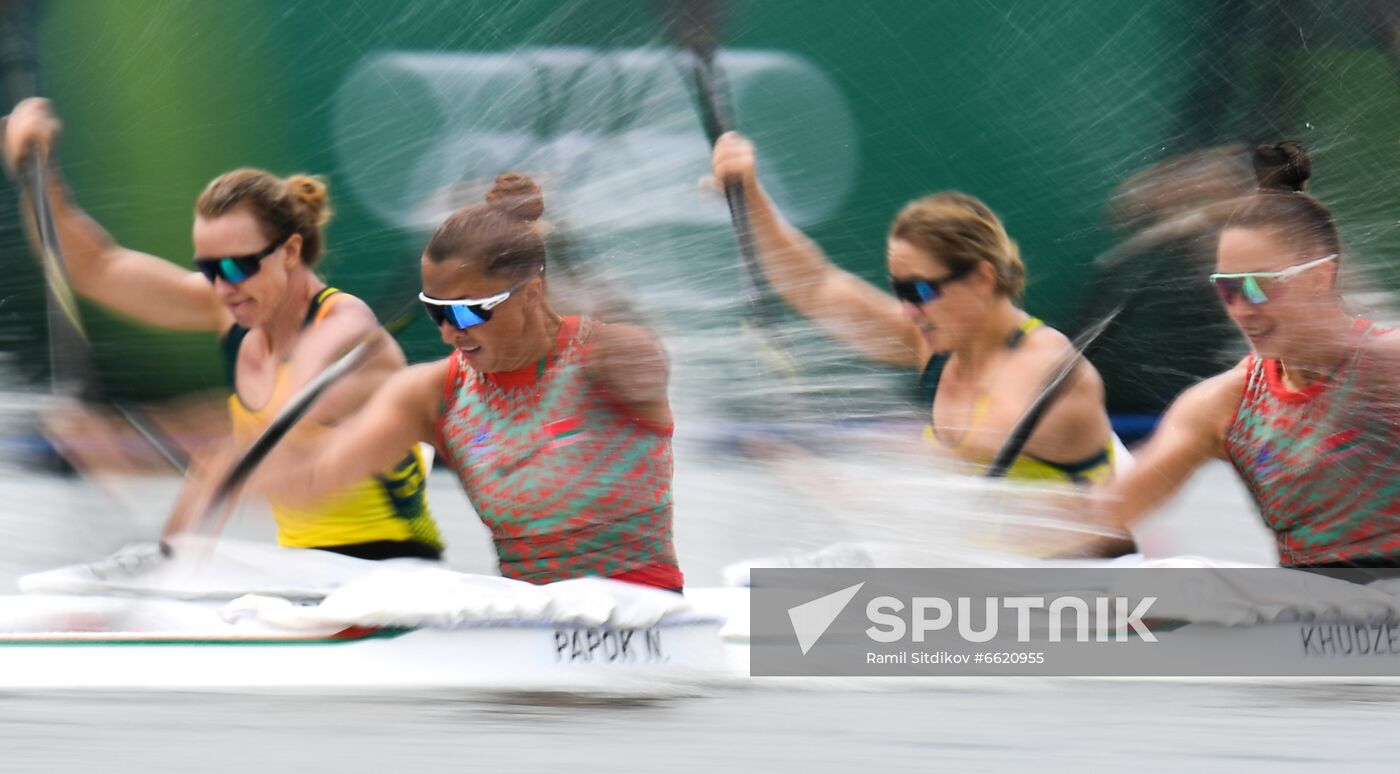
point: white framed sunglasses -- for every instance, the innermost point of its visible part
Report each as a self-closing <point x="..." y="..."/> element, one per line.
<point x="1252" y="284"/>
<point x="464" y="313"/>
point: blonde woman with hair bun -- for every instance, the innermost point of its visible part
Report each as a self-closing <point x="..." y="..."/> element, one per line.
<point x="954" y="317"/>
<point x="257" y="240"/>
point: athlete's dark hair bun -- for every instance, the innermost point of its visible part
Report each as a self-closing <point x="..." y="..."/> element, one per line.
<point x="518" y="196"/>
<point x="1282" y="167"/>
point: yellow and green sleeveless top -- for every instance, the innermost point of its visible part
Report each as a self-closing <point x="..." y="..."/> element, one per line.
<point x="568" y="480"/>
<point x="386" y="514"/>
<point x="1321" y="462"/>
<point x="1095" y="470"/>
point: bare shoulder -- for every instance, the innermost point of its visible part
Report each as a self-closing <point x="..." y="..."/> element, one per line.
<point x="630" y="362"/>
<point x="1216" y="398"/>
<point x="346" y="321"/>
<point x="423" y="381"/>
<point x="1046" y="348"/>
<point x="413" y="395"/>
<point x="1201" y="415"/>
<point x="347" y="311"/>
<point x="1045" y="344"/>
<point x="620" y="344"/>
<point x="625" y="336"/>
<point x="1076" y="424"/>
<point x="342" y="320"/>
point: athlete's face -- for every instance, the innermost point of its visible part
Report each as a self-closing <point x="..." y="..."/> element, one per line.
<point x="963" y="300"/>
<point x="1287" y="320"/>
<point x="502" y="343"/>
<point x="256" y="299"/>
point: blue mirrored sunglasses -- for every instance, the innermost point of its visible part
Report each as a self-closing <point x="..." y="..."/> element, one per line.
<point x="919" y="291"/>
<point x="464" y="313"/>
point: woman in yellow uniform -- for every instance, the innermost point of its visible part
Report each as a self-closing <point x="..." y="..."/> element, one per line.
<point x="956" y="276"/>
<point x="257" y="238"/>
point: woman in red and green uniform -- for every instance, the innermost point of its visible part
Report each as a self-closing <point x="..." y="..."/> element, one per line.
<point x="559" y="428"/>
<point x="1309" y="419"/>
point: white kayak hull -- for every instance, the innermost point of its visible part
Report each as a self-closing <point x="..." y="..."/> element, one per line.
<point x="505" y="657"/>
<point x="477" y="633"/>
<point x="258" y="617"/>
<point x="711" y="645"/>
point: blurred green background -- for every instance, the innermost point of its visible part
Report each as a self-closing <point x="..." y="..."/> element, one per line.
<point x="1040" y="107"/>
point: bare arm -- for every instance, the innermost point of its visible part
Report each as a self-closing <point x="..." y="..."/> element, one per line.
<point x="208" y="467"/>
<point x="303" y="467"/>
<point x="848" y="307"/>
<point x="346" y="323"/>
<point x="629" y="361"/>
<point x="402" y="412"/>
<point x="1191" y="433"/>
<point x="135" y="284"/>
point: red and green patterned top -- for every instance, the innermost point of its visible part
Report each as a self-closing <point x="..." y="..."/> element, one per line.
<point x="568" y="480"/>
<point x="1321" y="462"/>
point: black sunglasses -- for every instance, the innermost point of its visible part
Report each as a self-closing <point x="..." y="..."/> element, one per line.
<point x="236" y="268"/>
<point x="919" y="291"/>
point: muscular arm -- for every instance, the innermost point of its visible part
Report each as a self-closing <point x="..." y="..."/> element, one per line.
<point x="141" y="286"/>
<point x="848" y="307"/>
<point x="346" y="323"/>
<point x="401" y="413"/>
<point x="1191" y="433"/>
<point x="305" y="467"/>
<point x="132" y="283"/>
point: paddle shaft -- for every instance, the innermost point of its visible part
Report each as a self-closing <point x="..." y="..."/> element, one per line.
<point x="71" y="370"/>
<point x="1050" y="391"/>
<point x="297" y="407"/>
<point x="70" y="354"/>
<point x="714" y="115"/>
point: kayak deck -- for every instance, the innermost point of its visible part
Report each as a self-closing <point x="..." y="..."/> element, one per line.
<point x="153" y="624"/>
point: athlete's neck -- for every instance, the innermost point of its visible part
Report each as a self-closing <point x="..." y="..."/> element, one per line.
<point x="283" y="328"/>
<point x="537" y="341"/>
<point x="984" y="343"/>
<point x="1321" y="353"/>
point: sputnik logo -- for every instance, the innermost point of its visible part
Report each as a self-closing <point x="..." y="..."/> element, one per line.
<point x="810" y="620"/>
